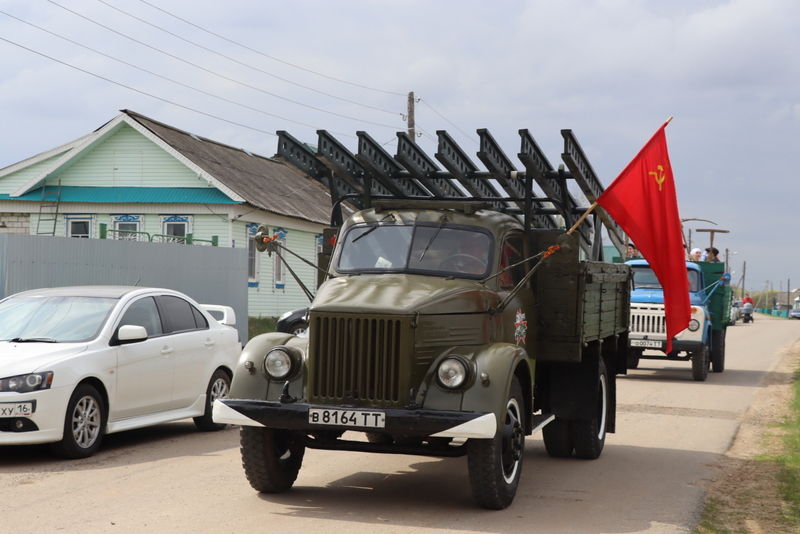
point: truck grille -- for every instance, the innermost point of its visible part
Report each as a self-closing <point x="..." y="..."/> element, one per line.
<point x="648" y="320"/>
<point x="358" y="360"/>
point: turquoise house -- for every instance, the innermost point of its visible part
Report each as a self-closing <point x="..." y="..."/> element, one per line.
<point x="137" y="178"/>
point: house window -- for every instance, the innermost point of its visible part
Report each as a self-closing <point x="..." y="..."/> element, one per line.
<point x="279" y="266"/>
<point x="175" y="228"/>
<point x="124" y="224"/>
<point x="252" y="255"/>
<point x="79" y="227"/>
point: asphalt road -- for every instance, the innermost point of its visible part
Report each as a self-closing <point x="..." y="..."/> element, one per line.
<point x="671" y="432"/>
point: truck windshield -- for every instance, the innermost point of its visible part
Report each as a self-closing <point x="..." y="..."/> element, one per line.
<point x="645" y="278"/>
<point x="436" y="249"/>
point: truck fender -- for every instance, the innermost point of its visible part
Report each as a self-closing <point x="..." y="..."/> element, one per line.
<point x="492" y="369"/>
<point x="249" y="379"/>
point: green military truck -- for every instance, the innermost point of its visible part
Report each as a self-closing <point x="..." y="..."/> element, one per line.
<point x="453" y="317"/>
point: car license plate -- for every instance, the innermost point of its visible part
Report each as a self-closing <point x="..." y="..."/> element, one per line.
<point x="351" y="418"/>
<point x="649" y="343"/>
<point x="16" y="409"/>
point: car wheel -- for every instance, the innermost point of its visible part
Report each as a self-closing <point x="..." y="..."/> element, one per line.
<point x="218" y="388"/>
<point x="298" y="327"/>
<point x="589" y="435"/>
<point x="495" y="465"/>
<point x="558" y="439"/>
<point x="271" y="458"/>
<point x="718" y="351"/>
<point x="83" y="424"/>
<point x="700" y="364"/>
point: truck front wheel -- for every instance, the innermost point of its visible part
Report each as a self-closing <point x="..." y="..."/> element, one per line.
<point x="495" y="464"/>
<point x="271" y="458"/>
<point x="700" y="364"/>
<point x="589" y="435"/>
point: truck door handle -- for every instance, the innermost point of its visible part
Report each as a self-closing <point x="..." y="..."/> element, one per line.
<point x="166" y="351"/>
<point x="209" y="343"/>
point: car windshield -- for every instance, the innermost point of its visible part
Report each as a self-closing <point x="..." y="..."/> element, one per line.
<point x="62" y="319"/>
<point x="436" y="249"/>
<point x="645" y="278"/>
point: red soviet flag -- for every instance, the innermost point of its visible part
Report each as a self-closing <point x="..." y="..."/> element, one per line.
<point x="642" y="200"/>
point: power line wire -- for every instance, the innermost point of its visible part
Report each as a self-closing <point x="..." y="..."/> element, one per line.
<point x="242" y="63"/>
<point x="268" y="56"/>
<point x="454" y="125"/>
<point x="188" y="108"/>
<point x="245" y="106"/>
<point x="224" y="77"/>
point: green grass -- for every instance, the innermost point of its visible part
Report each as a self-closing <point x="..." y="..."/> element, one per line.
<point x="790" y="459"/>
<point x="260" y="325"/>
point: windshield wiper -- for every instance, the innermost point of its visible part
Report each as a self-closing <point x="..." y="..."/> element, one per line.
<point x="374" y="227"/>
<point x="441" y="225"/>
<point x="33" y="340"/>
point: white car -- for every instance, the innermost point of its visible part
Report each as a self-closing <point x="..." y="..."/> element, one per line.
<point x="80" y="362"/>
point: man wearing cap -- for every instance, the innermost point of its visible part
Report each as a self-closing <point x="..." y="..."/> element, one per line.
<point x="712" y="255"/>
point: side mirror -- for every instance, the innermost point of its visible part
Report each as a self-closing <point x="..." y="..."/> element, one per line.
<point x="130" y="333"/>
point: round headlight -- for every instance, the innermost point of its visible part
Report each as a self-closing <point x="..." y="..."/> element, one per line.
<point x="452" y="373"/>
<point x="278" y="363"/>
<point x="33" y="381"/>
<point x="694" y="324"/>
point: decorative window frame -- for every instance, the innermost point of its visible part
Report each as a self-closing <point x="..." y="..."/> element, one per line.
<point x="173" y="219"/>
<point x="88" y="218"/>
<point x="127" y="219"/>
<point x="252" y="255"/>
<point x="278" y="269"/>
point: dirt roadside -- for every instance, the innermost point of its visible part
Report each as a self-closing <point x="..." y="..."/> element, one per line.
<point x="744" y="496"/>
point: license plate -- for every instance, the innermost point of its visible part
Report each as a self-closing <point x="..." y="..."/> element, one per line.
<point x="16" y="409"/>
<point x="350" y="418"/>
<point x="650" y="343"/>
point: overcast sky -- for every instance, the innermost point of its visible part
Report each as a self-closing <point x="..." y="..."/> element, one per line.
<point x="611" y="70"/>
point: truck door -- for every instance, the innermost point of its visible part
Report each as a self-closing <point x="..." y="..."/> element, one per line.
<point x="517" y="313"/>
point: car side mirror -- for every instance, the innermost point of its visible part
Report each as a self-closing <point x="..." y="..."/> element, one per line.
<point x="130" y="333"/>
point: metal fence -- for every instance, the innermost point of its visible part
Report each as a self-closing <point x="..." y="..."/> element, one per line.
<point x="210" y="275"/>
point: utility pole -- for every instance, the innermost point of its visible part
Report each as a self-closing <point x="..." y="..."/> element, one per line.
<point x="410" y="117"/>
<point x="744" y="271"/>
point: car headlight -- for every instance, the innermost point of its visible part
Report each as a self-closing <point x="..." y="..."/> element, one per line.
<point x="694" y="324"/>
<point x="26" y="383"/>
<point x="278" y="363"/>
<point x="452" y="372"/>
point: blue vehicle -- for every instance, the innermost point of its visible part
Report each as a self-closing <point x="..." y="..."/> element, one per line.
<point x="703" y="342"/>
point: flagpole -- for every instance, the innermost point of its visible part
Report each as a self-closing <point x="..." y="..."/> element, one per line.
<point x="582" y="218"/>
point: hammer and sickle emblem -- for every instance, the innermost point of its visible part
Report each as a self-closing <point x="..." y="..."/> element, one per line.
<point x="658" y="176"/>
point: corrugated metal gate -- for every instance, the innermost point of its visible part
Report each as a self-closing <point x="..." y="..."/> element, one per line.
<point x="210" y="275"/>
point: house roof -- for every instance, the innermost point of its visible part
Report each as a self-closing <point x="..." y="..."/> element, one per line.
<point x="263" y="182"/>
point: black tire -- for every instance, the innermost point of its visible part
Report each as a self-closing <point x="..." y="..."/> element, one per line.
<point x="633" y="357"/>
<point x="298" y="327"/>
<point x="84" y="424"/>
<point x="495" y="465"/>
<point x="589" y="435"/>
<point x="558" y="439"/>
<point x="271" y="458"/>
<point x="718" y="351"/>
<point x="218" y="388"/>
<point x="700" y="363"/>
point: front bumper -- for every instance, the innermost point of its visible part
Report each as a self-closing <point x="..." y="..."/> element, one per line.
<point x="678" y="345"/>
<point x="406" y="422"/>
